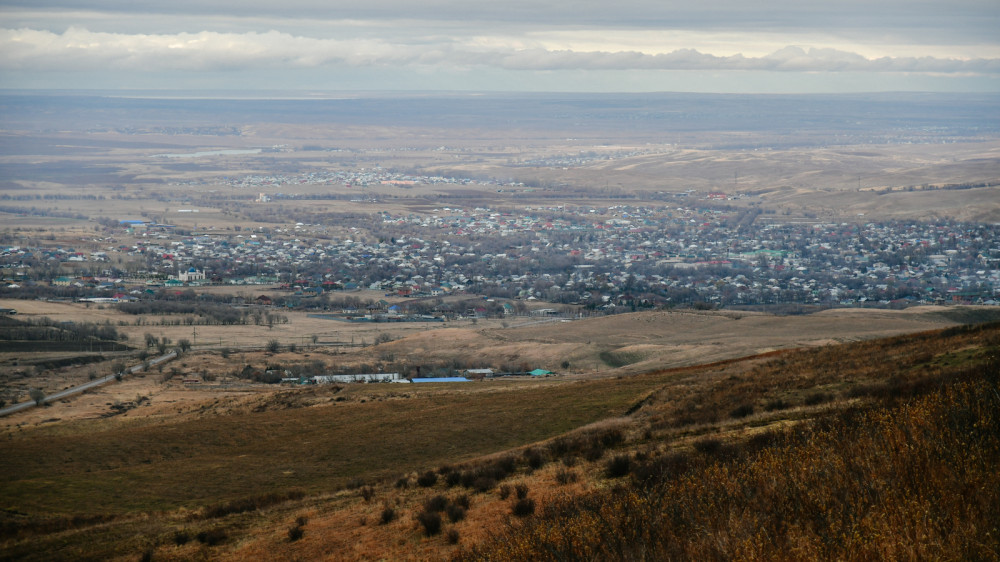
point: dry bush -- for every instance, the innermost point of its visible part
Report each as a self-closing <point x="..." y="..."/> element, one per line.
<point x="430" y="521"/>
<point x="523" y="507"/>
<point x="435" y="503"/>
<point x="427" y="479"/>
<point x="618" y="466"/>
<point x="388" y="514"/>
<point x="455" y="512"/>
<point x="566" y="476"/>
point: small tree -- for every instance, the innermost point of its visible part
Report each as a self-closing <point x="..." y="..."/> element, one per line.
<point x="273" y="346"/>
<point x="38" y="395"/>
<point x="185" y="344"/>
<point x="118" y="369"/>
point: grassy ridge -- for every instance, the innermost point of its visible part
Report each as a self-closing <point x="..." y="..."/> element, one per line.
<point x="913" y="482"/>
<point x="912" y="475"/>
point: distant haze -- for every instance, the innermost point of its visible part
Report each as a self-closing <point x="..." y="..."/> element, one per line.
<point x="588" y="46"/>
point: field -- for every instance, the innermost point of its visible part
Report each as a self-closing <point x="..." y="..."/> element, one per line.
<point x="231" y="476"/>
<point x="604" y="346"/>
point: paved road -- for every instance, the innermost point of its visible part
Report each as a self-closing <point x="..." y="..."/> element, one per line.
<point x="85" y="386"/>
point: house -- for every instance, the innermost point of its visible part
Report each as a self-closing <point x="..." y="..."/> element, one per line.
<point x="441" y="379"/>
<point x="540" y="372"/>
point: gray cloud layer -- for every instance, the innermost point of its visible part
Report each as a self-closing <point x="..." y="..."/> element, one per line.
<point x="126" y="40"/>
<point x="79" y="49"/>
<point x="977" y="18"/>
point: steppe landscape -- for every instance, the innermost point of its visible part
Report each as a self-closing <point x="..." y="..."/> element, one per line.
<point x="734" y="327"/>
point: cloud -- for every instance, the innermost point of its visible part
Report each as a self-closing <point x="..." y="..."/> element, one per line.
<point x="957" y="18"/>
<point x="210" y="51"/>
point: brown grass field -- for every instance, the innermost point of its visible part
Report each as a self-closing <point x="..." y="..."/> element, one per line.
<point x="225" y="472"/>
<point x="603" y="346"/>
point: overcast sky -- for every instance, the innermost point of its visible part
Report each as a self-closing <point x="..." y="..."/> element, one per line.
<point x="521" y="45"/>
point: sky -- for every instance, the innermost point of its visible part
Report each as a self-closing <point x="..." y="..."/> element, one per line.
<point x="731" y="46"/>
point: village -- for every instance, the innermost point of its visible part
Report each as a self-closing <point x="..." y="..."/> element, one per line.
<point x="599" y="259"/>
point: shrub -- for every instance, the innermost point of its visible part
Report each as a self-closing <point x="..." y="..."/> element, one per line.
<point x="453" y="479"/>
<point x="435" y="503"/>
<point x="708" y="445"/>
<point x="427" y="479"/>
<point x="534" y="458"/>
<point x="524" y="507"/>
<point x="295" y="533"/>
<point x="452" y="536"/>
<point x="817" y="398"/>
<point x="661" y="468"/>
<point x="388" y="514"/>
<point x="212" y="537"/>
<point x="403" y="483"/>
<point x="462" y="501"/>
<point x="742" y="411"/>
<point x="777" y="404"/>
<point x="483" y="484"/>
<point x="181" y="537"/>
<point x="618" y="466"/>
<point x="611" y="437"/>
<point x="566" y="476"/>
<point x="430" y="521"/>
<point x="455" y="513"/>
<point x="504" y="491"/>
<point x="367" y="493"/>
<point x="521" y="490"/>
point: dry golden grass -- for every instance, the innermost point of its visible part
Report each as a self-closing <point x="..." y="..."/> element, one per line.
<point x="260" y="450"/>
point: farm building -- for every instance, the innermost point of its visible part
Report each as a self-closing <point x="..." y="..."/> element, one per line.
<point x="370" y="377"/>
<point x="441" y="379"/>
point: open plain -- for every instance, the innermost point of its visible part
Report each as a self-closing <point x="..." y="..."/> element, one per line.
<point x="648" y="294"/>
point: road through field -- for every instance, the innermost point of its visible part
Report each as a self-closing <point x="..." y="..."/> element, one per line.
<point x="85" y="386"/>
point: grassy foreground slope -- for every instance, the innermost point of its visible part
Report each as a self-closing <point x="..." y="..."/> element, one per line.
<point x="874" y="449"/>
<point x="912" y="475"/>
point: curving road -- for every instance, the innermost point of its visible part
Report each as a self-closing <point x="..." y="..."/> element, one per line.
<point x="85" y="386"/>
